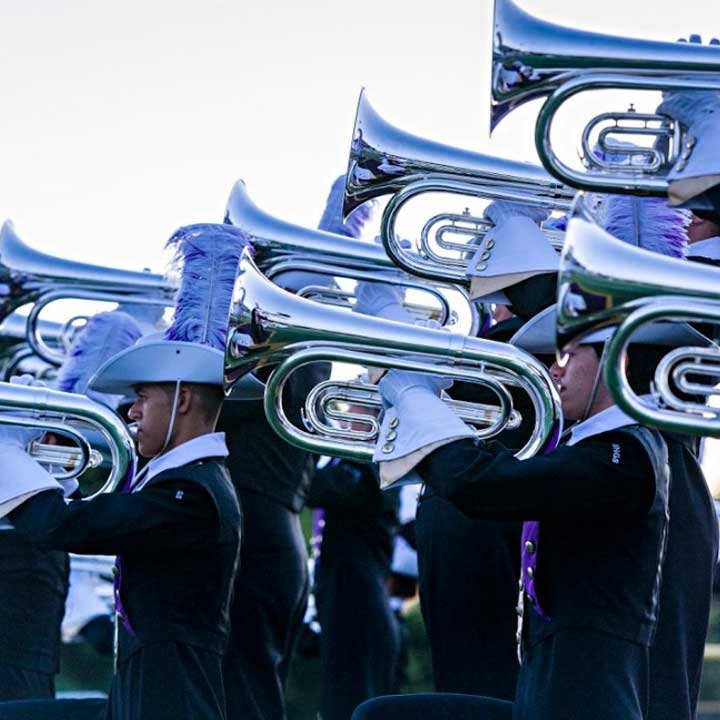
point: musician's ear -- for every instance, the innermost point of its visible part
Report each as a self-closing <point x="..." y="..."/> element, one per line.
<point x="185" y="400"/>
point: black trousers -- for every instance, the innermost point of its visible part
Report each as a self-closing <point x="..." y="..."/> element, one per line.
<point x="360" y="638"/>
<point x="576" y="674"/>
<point x="270" y="596"/>
<point x="17" y="683"/>
<point x="91" y="709"/>
<point x="469" y="572"/>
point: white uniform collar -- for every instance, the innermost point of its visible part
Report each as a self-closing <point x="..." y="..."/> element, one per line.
<point x="708" y="248"/>
<point x="203" y="446"/>
<point x="611" y="418"/>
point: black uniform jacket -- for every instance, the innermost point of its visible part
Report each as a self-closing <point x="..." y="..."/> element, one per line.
<point x="260" y="460"/>
<point x="179" y="539"/>
<point x="676" y="656"/>
<point x="603" y="511"/>
<point x="33" y="586"/>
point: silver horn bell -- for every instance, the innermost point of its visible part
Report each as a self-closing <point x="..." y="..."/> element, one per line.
<point x="533" y="58"/>
<point x="385" y="160"/>
<point x="281" y="247"/>
<point x="30" y="276"/>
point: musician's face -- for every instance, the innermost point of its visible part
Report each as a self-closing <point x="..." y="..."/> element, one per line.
<point x="151" y="411"/>
<point x="575" y="380"/>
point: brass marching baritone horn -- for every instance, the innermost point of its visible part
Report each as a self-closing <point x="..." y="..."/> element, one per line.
<point x="71" y="415"/>
<point x="32" y="277"/>
<point x="385" y="160"/>
<point x="270" y="327"/>
<point x="604" y="282"/>
<point x="282" y="247"/>
<point x="533" y="58"/>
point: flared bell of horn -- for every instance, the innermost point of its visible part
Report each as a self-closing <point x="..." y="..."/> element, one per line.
<point x="276" y="240"/>
<point x="281" y="247"/>
<point x="532" y="57"/>
<point x="24" y="267"/>
<point x="385" y="159"/>
<point x="30" y="276"/>
<point x="602" y="280"/>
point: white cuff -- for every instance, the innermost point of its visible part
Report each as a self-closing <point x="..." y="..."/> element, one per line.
<point x="24" y="477"/>
<point x="513" y="251"/>
<point x="698" y="167"/>
<point x="422" y="423"/>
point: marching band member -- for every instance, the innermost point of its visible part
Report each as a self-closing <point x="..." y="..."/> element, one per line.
<point x="177" y="525"/>
<point x="674" y="687"/>
<point x="591" y="578"/>
<point x="33" y="585"/>
<point x="33" y="582"/>
<point x="105" y="334"/>
<point x="271" y="479"/>
<point x="359" y="638"/>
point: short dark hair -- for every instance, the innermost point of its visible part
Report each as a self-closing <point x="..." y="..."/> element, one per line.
<point x="209" y="398"/>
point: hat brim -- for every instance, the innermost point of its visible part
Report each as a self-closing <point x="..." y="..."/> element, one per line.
<point x="538" y="334"/>
<point x="158" y="361"/>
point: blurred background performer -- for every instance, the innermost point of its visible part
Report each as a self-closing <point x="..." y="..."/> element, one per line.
<point x="360" y="635"/>
<point x="271" y="479"/>
<point x="34" y="582"/>
<point x="177" y="527"/>
<point x="473" y="641"/>
<point x="87" y="616"/>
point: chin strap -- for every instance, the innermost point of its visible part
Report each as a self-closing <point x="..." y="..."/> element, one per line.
<point x="173" y="414"/>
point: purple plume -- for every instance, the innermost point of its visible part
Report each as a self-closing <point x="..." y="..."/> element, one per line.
<point x="207" y="256"/>
<point x="647" y="222"/>
<point x="331" y="220"/>
<point x="105" y="335"/>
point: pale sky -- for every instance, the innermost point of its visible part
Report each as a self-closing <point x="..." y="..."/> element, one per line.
<point x="122" y="121"/>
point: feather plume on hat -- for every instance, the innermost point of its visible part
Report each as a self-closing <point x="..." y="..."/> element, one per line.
<point x="207" y="256"/>
<point x="105" y="335"/>
<point x="331" y="220"/>
<point x="646" y="222"/>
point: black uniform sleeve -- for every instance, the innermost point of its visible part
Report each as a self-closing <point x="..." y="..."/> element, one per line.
<point x="609" y="472"/>
<point x="169" y="514"/>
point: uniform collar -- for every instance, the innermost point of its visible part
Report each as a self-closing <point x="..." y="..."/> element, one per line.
<point x="611" y="418"/>
<point x="203" y="446"/>
<point x="708" y="248"/>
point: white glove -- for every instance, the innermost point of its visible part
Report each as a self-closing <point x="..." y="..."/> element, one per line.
<point x="397" y="386"/>
<point x="382" y="300"/>
<point x="690" y="107"/>
<point x="501" y="210"/>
